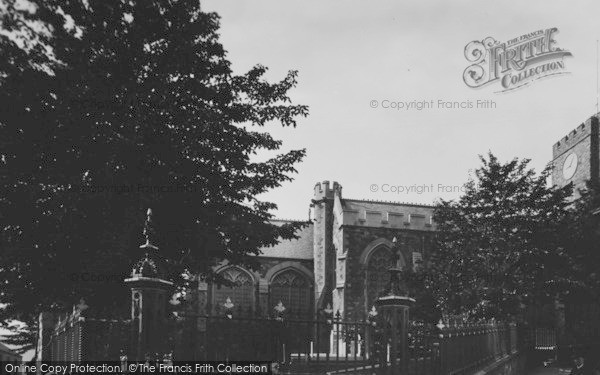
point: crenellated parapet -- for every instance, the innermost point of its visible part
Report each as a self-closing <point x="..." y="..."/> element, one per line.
<point x="388" y="215"/>
<point x="327" y="190"/>
<point x="575" y="136"/>
<point x="576" y="157"/>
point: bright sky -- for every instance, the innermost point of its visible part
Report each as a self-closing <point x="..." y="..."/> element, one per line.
<point x="349" y="53"/>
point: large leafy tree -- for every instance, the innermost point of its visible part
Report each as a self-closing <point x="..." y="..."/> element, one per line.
<point x="111" y="107"/>
<point x="503" y="244"/>
<point x="583" y="228"/>
<point x="582" y="298"/>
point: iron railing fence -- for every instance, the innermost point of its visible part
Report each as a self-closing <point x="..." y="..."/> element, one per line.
<point x="465" y="347"/>
<point x="307" y="345"/>
<point x="326" y="343"/>
<point x="90" y="339"/>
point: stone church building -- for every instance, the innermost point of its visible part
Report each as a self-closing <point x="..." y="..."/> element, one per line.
<point x="340" y="259"/>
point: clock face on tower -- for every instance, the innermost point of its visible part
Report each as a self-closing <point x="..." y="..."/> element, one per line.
<point x="569" y="166"/>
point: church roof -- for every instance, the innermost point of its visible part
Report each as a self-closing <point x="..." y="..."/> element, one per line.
<point x="301" y="248"/>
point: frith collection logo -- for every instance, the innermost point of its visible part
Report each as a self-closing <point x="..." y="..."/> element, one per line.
<point x="515" y="63"/>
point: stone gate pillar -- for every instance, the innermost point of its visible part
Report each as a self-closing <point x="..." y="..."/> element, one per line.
<point x="202" y="321"/>
<point x="393" y="306"/>
<point x="150" y="294"/>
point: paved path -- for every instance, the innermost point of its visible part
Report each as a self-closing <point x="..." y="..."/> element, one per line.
<point x="550" y="371"/>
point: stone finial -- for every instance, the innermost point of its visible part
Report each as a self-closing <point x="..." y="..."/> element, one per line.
<point x="337" y="189"/>
<point x="175" y="299"/>
<point x="279" y="311"/>
<point x="81" y="306"/>
<point x="373" y="312"/>
<point x="228" y="308"/>
<point x="228" y="304"/>
<point x="149" y="232"/>
<point x="280" y="308"/>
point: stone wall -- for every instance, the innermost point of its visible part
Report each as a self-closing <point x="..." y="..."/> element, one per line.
<point x="324" y="252"/>
<point x="357" y="241"/>
<point x="388" y="215"/>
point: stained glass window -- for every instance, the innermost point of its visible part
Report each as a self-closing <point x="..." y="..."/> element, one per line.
<point x="377" y="273"/>
<point x="294" y="290"/>
<point x="242" y="294"/>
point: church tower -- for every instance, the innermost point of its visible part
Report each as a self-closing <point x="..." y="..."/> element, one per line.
<point x="324" y="252"/>
<point x="576" y="157"/>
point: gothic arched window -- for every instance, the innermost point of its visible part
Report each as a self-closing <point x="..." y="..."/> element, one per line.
<point x="377" y="273"/>
<point x="241" y="293"/>
<point x="294" y="290"/>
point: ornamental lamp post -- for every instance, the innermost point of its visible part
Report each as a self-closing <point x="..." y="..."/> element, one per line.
<point x="393" y="306"/>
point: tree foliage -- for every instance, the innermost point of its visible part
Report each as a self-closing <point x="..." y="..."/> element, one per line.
<point x="109" y="108"/>
<point x="503" y="244"/>
<point x="583" y="231"/>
